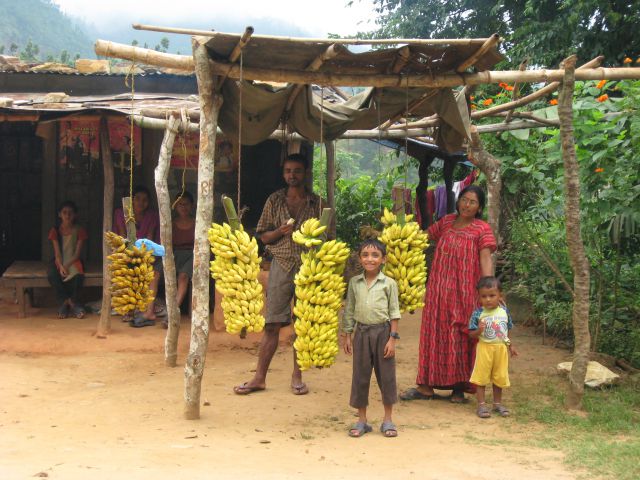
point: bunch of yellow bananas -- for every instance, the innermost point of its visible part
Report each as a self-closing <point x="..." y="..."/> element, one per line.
<point x="319" y="290"/>
<point x="131" y="273"/>
<point x="235" y="270"/>
<point x="309" y="233"/>
<point x="405" y="259"/>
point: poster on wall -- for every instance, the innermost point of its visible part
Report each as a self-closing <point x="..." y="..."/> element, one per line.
<point x="79" y="143"/>
<point x="120" y="142"/>
<point x="186" y="150"/>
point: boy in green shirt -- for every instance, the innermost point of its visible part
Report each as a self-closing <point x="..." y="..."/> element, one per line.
<point x="372" y="304"/>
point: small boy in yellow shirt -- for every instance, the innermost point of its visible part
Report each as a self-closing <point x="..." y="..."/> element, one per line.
<point x="490" y="324"/>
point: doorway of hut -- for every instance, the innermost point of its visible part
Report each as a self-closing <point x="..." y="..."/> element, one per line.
<point x="21" y="159"/>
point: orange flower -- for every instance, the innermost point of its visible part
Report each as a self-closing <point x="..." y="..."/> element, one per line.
<point x="553" y="101"/>
<point x="599" y="170"/>
<point x="473" y="106"/>
<point x="627" y="60"/>
<point x="503" y="85"/>
<point x="638" y="60"/>
<point x="601" y="84"/>
<point x="472" y="97"/>
<point x="508" y="88"/>
<point x="602" y="98"/>
<point x="487" y="102"/>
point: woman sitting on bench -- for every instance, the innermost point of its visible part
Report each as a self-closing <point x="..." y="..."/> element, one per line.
<point x="66" y="273"/>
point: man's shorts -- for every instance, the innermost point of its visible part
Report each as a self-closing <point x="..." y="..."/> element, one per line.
<point x="492" y="365"/>
<point x="184" y="262"/>
<point x="280" y="292"/>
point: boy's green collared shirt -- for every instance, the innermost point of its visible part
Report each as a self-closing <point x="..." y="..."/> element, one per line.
<point x="370" y="305"/>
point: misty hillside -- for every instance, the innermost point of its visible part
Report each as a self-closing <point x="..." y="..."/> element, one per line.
<point x="51" y="31"/>
<point x="46" y="26"/>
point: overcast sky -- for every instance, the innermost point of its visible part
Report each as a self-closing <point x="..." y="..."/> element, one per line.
<point x="306" y="18"/>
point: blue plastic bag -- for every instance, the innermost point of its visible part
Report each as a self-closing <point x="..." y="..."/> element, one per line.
<point x="158" y="250"/>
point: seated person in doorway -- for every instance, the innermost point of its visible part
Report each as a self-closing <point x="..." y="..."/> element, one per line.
<point x="66" y="273"/>
<point x="147" y="226"/>
<point x="183" y="235"/>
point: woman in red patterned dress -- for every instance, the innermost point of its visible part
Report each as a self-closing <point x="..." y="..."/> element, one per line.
<point x="464" y="244"/>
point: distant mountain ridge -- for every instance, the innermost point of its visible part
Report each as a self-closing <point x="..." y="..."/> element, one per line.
<point x="42" y="23"/>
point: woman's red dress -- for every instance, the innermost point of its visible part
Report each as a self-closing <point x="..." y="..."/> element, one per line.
<point x="446" y="350"/>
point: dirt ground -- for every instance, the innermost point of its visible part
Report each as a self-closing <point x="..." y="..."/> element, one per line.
<point x="76" y="407"/>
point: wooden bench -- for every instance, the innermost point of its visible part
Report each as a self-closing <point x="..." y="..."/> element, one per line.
<point x="26" y="275"/>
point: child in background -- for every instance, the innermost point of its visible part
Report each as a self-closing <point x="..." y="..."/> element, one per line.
<point x="490" y="324"/>
<point x="372" y="307"/>
<point x="66" y="273"/>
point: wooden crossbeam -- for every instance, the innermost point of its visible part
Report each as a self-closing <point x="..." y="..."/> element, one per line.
<point x="491" y="42"/>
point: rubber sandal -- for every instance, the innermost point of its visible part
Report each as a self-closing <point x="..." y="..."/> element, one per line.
<point x="415" y="394"/>
<point x="359" y="429"/>
<point x="483" y="410"/>
<point x="301" y="389"/>
<point x="140" y="321"/>
<point x="63" y="311"/>
<point x="458" y="397"/>
<point x="77" y="311"/>
<point x="501" y="409"/>
<point x="389" y="429"/>
<point x="245" y="389"/>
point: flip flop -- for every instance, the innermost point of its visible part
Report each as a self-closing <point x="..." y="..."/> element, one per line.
<point x="389" y="429"/>
<point x="245" y="389"/>
<point x="415" y="394"/>
<point x="501" y="409"/>
<point x="301" y="389"/>
<point x="78" y="311"/>
<point x="458" y="398"/>
<point x="140" y="321"/>
<point x="359" y="429"/>
<point x="63" y="311"/>
<point x="483" y="410"/>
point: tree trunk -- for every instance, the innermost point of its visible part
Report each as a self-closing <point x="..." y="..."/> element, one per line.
<point x="490" y="166"/>
<point x="166" y="238"/>
<point x="104" y="324"/>
<point x="579" y="262"/>
<point x="210" y="103"/>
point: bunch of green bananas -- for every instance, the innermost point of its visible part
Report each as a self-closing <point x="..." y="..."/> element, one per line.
<point x="235" y="270"/>
<point x="405" y="259"/>
<point x="131" y="273"/>
<point x="309" y="233"/>
<point x="320" y="287"/>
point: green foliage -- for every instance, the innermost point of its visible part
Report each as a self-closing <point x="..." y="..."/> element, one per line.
<point x="365" y="176"/>
<point x="543" y="31"/>
<point x="607" y="135"/>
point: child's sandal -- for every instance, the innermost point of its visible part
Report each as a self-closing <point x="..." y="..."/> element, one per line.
<point x="501" y="409"/>
<point x="483" y="410"/>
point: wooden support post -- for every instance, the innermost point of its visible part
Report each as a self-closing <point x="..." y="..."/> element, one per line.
<point x="575" y="245"/>
<point x="235" y="54"/>
<point x="166" y="238"/>
<point x="490" y="166"/>
<point x="210" y="103"/>
<point x="104" y="324"/>
<point x="490" y="43"/>
<point x="330" y="149"/>
<point x="515" y="93"/>
<point x="331" y="52"/>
